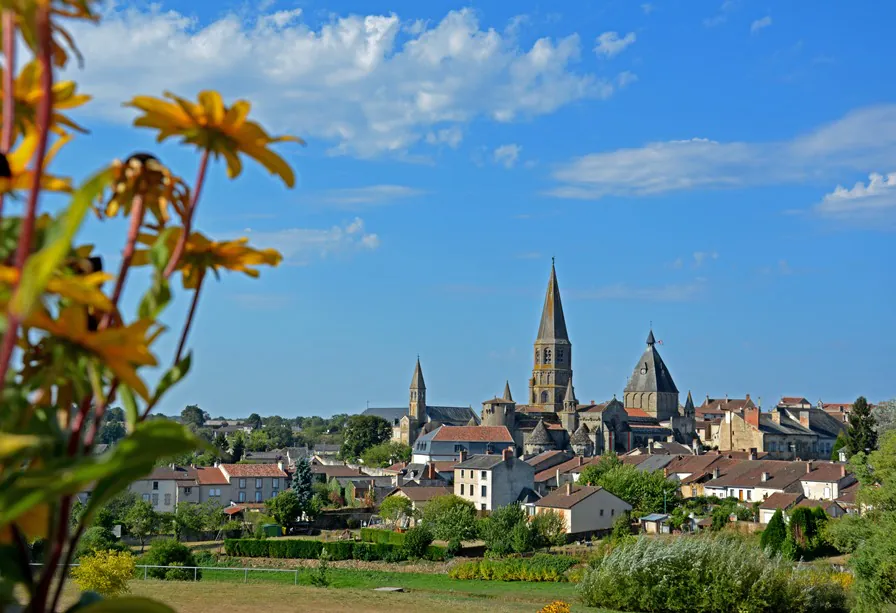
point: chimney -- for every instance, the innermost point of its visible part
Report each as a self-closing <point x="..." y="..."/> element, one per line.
<point x="716" y="473"/>
<point x="748" y="398"/>
<point x="804" y="418"/>
<point x="776" y="415"/>
<point x="765" y="477"/>
<point x="808" y="467"/>
<point x="507" y="454"/>
<point x="462" y="456"/>
<point x="280" y="464"/>
<point x="842" y="470"/>
<point x="581" y="460"/>
<point x="751" y="416"/>
<point x="752" y="453"/>
<point x="569" y="489"/>
<point x="666" y="473"/>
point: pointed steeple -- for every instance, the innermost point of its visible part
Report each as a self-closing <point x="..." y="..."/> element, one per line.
<point x="570" y="397"/>
<point x="417" y="380"/>
<point x="689" y="409"/>
<point x="651" y="341"/>
<point x="539" y="435"/>
<point x="507" y="395"/>
<point x="553" y="324"/>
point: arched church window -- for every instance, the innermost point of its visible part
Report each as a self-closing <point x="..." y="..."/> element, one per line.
<point x="413" y="395"/>
<point x="559" y="356"/>
<point x="537" y="356"/>
<point x="549" y="378"/>
<point x="544" y="397"/>
<point x="547" y="356"/>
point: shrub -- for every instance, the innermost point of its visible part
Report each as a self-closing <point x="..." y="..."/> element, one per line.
<point x="175" y="572"/>
<point x="416" y="542"/>
<point x="167" y="552"/>
<point x="352" y="523"/>
<point x="558" y="606"/>
<point x="540" y="567"/>
<point x="105" y="572"/>
<point x="705" y="574"/>
<point x="376" y="535"/>
<point x="549" y="528"/>
<point x="523" y="537"/>
<point x="847" y="533"/>
<point x="321" y="575"/>
<point x="307" y="549"/>
<point x="774" y="534"/>
<point x="451" y="518"/>
<point x="98" y="539"/>
<point x="497" y="529"/>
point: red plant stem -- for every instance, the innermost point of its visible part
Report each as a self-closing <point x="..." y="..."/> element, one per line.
<point x="44" y="110"/>
<point x="9" y="79"/>
<point x="78" y="423"/>
<point x="188" y="222"/>
<point x="72" y="546"/>
<point x="127" y="255"/>
<point x="190" y="316"/>
<point x="39" y="602"/>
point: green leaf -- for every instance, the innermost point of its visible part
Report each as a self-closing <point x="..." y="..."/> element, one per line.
<point x="127" y="604"/>
<point x="131" y="413"/>
<point x="155" y="299"/>
<point x="172" y="376"/>
<point x="160" y="253"/>
<point x="86" y="599"/>
<point x="135" y="456"/>
<point x="41" y="266"/>
<point x="12" y="444"/>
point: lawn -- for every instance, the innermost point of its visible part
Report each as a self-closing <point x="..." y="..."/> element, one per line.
<point x="354" y="594"/>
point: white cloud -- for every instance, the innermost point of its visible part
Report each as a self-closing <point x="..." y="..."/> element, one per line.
<point x="647" y="8"/>
<point x="610" y="44"/>
<point x="301" y="245"/>
<point x="685" y="292"/>
<point x="700" y="257"/>
<point x="508" y="155"/>
<point x="722" y="15"/>
<point x="529" y="255"/>
<point x="861" y="139"/>
<point x="350" y="197"/>
<point x="359" y="85"/>
<point x="873" y="202"/>
<point x="759" y="24"/>
<point x="625" y="78"/>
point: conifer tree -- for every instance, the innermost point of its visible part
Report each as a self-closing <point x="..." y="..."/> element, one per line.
<point x="774" y="534"/>
<point x="861" y="435"/>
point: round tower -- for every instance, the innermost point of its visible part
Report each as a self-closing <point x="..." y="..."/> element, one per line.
<point x="500" y="411"/>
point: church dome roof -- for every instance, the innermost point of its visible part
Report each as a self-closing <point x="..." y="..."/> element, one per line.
<point x="580" y="437"/>
<point x="539" y="435"/>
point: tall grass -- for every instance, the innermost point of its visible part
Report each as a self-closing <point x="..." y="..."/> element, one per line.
<point x="720" y="574"/>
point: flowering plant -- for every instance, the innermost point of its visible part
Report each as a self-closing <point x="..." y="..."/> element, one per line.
<point x="67" y="348"/>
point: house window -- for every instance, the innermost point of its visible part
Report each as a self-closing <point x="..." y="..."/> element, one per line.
<point x="155" y="500"/>
<point x="461" y="489"/>
<point x="459" y="448"/>
<point x="827" y="492"/>
<point x="601" y="512"/>
<point x="484" y="489"/>
<point x="212" y="492"/>
<point x="167" y="500"/>
<point x="612" y="512"/>
<point x="275" y="483"/>
<point x="257" y="496"/>
<point x="155" y="485"/>
<point x="483" y="474"/>
<point x="242" y="497"/>
<point x="461" y="473"/>
<point x="242" y="483"/>
<point x="145" y="497"/>
<point x="188" y="491"/>
<point x="483" y="506"/>
<point x="258" y="484"/>
<point x="749" y="494"/>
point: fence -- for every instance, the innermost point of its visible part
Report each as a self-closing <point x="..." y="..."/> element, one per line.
<point x="142" y="571"/>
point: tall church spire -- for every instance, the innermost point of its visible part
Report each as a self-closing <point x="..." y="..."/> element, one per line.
<point x="417" y="403"/>
<point x="553" y="324"/>
<point x="417" y="380"/>
<point x="507" y="395"/>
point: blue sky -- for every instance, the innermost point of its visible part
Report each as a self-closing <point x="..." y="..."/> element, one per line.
<point x="722" y="170"/>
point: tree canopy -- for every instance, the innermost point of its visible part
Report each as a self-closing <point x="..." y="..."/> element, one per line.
<point x="192" y="415"/>
<point x="386" y="454"/>
<point x="363" y="432"/>
<point x="861" y="434"/>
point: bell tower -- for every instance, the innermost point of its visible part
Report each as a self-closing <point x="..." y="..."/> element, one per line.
<point x="417" y="401"/>
<point x="552" y="370"/>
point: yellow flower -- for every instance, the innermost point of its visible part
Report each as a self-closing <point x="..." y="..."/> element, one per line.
<point x="202" y="254"/>
<point x="26" y="21"/>
<point x="121" y="349"/>
<point x="82" y="289"/>
<point x="32" y="524"/>
<point x="143" y="175"/>
<point x="21" y="177"/>
<point x="27" y="94"/>
<point x="220" y="130"/>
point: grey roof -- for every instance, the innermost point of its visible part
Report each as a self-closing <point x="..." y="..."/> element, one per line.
<point x="570" y="392"/>
<point x="540" y="435"/>
<point x="473" y="421"/>
<point x="417" y="379"/>
<point x="507" y="395"/>
<point x="451" y="416"/>
<point x="787" y="425"/>
<point x="651" y="374"/>
<point x="391" y="414"/>
<point x="655" y="462"/>
<point x="580" y="436"/>
<point x="655" y="517"/>
<point x="553" y="324"/>
<point x="484" y="461"/>
<point x="689" y="405"/>
<point x="527" y="494"/>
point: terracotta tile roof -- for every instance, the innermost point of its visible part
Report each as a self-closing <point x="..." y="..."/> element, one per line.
<point x="397" y="467"/>
<point x="422" y="493"/>
<point x="253" y="470"/>
<point x="829" y="472"/>
<point x="781" y="474"/>
<point x="809" y="503"/>
<point x="564" y="468"/>
<point x="715" y="405"/>
<point x="210" y="476"/>
<point x="560" y="499"/>
<point x="636" y="413"/>
<point x="844" y="407"/>
<point x="234" y="509"/>
<point x="793" y="400"/>
<point x="780" y="500"/>
<point x="444" y="465"/>
<point x="490" y="434"/>
<point x="554" y="426"/>
<point x="848" y="494"/>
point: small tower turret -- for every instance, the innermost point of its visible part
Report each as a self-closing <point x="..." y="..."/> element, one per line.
<point x="417" y="407"/>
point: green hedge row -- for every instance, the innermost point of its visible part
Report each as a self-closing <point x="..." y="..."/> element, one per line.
<point x="375" y="535"/>
<point x="311" y="550"/>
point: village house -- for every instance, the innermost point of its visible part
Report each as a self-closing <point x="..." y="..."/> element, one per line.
<point x="586" y="510"/>
<point x="777" y="502"/>
<point x="825" y="481"/>
<point x="492" y="481"/>
<point x="784" y="433"/>
<point x="446" y="442"/>
<point x="420" y="495"/>
<point x="165" y="486"/>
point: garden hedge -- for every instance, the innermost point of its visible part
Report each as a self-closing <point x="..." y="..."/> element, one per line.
<point x="311" y="549"/>
<point x="375" y="535"/>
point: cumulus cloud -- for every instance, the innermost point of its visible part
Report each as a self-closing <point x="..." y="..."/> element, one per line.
<point x="351" y="197"/>
<point x="647" y="8"/>
<point x="861" y="139"/>
<point x="610" y="44"/>
<point x="301" y="245"/>
<point x="874" y="201"/>
<point x="759" y="24"/>
<point x="362" y="85"/>
<point x="700" y="257"/>
<point x="508" y="155"/>
<point x="722" y="15"/>
<point x="683" y="292"/>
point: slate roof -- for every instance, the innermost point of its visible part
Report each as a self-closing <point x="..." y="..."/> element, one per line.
<point x="787" y="426"/>
<point x="539" y="435"/>
<point x="417" y="378"/>
<point x="793" y="400"/>
<point x="451" y="416"/>
<point x="391" y="414"/>
<point x="780" y="500"/>
<point x="848" y="494"/>
<point x="650" y="373"/>
<point x="718" y="405"/>
<point x="823" y="423"/>
<point x="655" y="517"/>
<point x="553" y="324"/>
<point x="580" y="436"/>
<point x="527" y="494"/>
<point x="826" y="505"/>
<point x="576" y="462"/>
<point x="546" y="459"/>
<point x="253" y="470"/>
<point x="166" y="473"/>
<point x="481" y="462"/>
<point x="489" y="434"/>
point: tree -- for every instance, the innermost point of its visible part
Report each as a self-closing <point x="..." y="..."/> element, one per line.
<point x="114" y="414"/>
<point x="774" y="534"/>
<point x="885" y="416"/>
<point x="363" y="432"/>
<point x="279" y="435"/>
<point x="451" y="518"/>
<point x="142" y="521"/>
<point x="497" y="529"/>
<point x="302" y="484"/>
<point x="386" y="454"/>
<point x="258" y="441"/>
<point x="192" y="415"/>
<point x="860" y="433"/>
<point x="591" y="474"/>
<point x="111" y="432"/>
<point x="647" y="492"/>
<point x="549" y="528"/>
<point x="114" y="511"/>
<point x="839" y="444"/>
<point x="285" y="507"/>
<point x="237" y="446"/>
<point x="254" y="420"/>
<point x="395" y="508"/>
